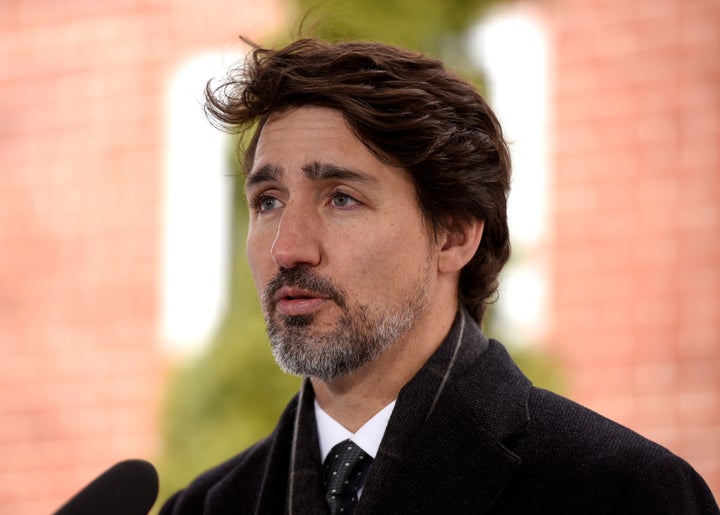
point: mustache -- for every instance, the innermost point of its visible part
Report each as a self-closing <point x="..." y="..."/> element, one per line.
<point x="305" y="278"/>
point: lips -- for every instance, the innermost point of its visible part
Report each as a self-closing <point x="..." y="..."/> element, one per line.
<point x="298" y="301"/>
<point x="300" y="291"/>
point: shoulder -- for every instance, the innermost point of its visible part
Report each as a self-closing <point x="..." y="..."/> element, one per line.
<point x="249" y="464"/>
<point x="571" y="457"/>
<point x="584" y="432"/>
<point x="590" y="458"/>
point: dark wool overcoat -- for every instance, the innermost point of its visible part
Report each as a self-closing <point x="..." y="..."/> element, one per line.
<point x="469" y="435"/>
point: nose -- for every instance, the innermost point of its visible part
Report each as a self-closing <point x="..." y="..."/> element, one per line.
<point x="297" y="239"/>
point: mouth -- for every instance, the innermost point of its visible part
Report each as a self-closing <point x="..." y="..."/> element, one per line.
<point x="298" y="301"/>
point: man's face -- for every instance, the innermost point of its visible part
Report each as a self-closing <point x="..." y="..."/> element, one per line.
<point x="337" y="245"/>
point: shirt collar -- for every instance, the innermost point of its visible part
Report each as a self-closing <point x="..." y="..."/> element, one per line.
<point x="368" y="437"/>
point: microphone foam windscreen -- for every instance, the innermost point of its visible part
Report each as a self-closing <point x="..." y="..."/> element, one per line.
<point x="127" y="488"/>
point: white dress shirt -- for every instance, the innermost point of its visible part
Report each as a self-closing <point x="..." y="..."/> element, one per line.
<point x="368" y="437"/>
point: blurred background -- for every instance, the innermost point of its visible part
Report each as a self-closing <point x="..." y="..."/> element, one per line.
<point x="129" y="325"/>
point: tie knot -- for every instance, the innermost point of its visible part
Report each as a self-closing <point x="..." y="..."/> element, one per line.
<point x="344" y="474"/>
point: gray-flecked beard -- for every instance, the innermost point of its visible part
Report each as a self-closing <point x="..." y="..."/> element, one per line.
<point x="361" y="334"/>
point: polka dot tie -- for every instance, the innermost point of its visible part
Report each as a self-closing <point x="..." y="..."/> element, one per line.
<point x="344" y="473"/>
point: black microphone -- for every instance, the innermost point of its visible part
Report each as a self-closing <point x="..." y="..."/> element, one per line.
<point x="127" y="488"/>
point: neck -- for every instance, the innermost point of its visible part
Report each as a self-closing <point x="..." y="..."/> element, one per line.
<point x="355" y="398"/>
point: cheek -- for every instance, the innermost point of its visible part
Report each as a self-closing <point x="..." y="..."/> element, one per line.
<point x="383" y="264"/>
<point x="258" y="266"/>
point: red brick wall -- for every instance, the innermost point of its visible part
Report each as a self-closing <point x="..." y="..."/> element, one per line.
<point x="82" y="96"/>
<point x="636" y="216"/>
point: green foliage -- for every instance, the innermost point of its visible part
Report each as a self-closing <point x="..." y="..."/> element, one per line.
<point x="422" y="25"/>
<point x="540" y="367"/>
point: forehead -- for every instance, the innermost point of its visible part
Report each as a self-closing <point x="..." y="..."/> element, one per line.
<point x="307" y="134"/>
<point x="306" y="117"/>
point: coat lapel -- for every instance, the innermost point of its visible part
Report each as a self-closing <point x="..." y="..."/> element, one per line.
<point x="443" y="449"/>
<point x="450" y="470"/>
<point x="293" y="481"/>
<point x="305" y="493"/>
<point x="266" y="486"/>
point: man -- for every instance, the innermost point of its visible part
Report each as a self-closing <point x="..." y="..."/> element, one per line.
<point x="377" y="184"/>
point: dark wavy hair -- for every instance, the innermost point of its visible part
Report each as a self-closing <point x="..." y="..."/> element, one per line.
<point x="408" y="109"/>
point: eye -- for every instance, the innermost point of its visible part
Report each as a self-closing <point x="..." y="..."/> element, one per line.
<point x="265" y="203"/>
<point x="268" y="203"/>
<point x="340" y="199"/>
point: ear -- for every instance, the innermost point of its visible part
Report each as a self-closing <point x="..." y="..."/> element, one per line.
<point x="458" y="244"/>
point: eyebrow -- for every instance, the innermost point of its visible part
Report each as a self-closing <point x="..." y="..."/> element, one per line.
<point x="315" y="171"/>
<point x="318" y="171"/>
<point x="265" y="173"/>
